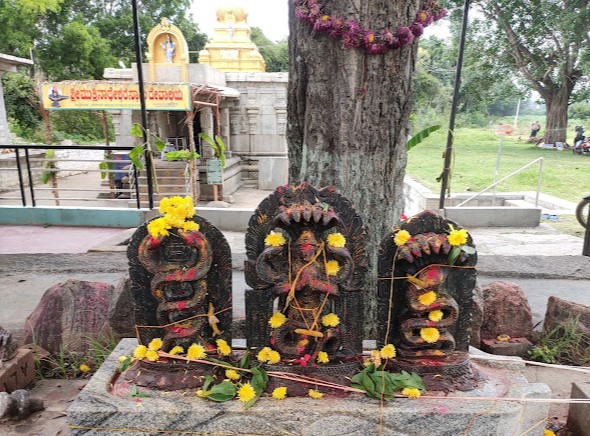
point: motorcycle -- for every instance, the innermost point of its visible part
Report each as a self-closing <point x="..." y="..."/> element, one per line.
<point x="583" y="209"/>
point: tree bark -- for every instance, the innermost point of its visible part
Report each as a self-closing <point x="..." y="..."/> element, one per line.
<point x="348" y="115"/>
<point x="556" y="124"/>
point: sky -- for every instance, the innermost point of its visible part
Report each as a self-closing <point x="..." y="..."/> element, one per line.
<point x="269" y="15"/>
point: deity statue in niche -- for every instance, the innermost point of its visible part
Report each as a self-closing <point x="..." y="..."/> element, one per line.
<point x="306" y="265"/>
<point x="181" y="282"/>
<point x="169" y="49"/>
<point x="426" y="281"/>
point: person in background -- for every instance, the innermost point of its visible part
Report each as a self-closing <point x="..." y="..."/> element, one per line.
<point x="535" y="127"/>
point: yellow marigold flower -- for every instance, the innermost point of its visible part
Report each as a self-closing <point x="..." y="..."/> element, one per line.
<point x="330" y="320"/>
<point x="323" y="357"/>
<point x="181" y="207"/>
<point x="152" y="355"/>
<point x="435" y="315"/>
<point x="375" y="357"/>
<point x="84" y="368"/>
<point x="411" y="392"/>
<point x="263" y="354"/>
<point x="275" y="239"/>
<point x="190" y="226"/>
<point x="155" y="344"/>
<point x="332" y="267"/>
<point x="315" y="394"/>
<point x="173" y="221"/>
<point x="401" y="237"/>
<point x="457" y="237"/>
<point x="503" y="338"/>
<point x="325" y="18"/>
<point x="302" y="343"/>
<point x="201" y="393"/>
<point x="427" y="298"/>
<point x="140" y="352"/>
<point x="246" y="393"/>
<point x="388" y="351"/>
<point x="196" y="351"/>
<point x="279" y="393"/>
<point x="158" y="227"/>
<point x="232" y="374"/>
<point x="277" y="319"/>
<point x="430" y="334"/>
<point x="548" y="432"/>
<point x="176" y="350"/>
<point x="123" y="358"/>
<point x="336" y="240"/>
<point x="222" y="347"/>
<point x="274" y="357"/>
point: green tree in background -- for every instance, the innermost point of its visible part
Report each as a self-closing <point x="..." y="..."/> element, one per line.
<point x="275" y="54"/>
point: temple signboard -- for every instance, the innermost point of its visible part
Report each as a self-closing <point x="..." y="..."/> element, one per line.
<point x="99" y="95"/>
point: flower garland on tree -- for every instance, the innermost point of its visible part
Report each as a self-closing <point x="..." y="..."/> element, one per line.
<point x="374" y="42"/>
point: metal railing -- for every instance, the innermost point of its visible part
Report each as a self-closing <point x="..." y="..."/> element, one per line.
<point x="539" y="160"/>
<point x="28" y="175"/>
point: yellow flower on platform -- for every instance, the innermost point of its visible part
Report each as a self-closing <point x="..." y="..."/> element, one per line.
<point x="548" y="432"/>
<point x="263" y="354"/>
<point x="457" y="237"/>
<point x="275" y="239"/>
<point x="388" y="351"/>
<point x="159" y="227"/>
<point x="316" y="395"/>
<point x="190" y="226"/>
<point x="181" y="207"/>
<point x="411" y="392"/>
<point x="201" y="393"/>
<point x="155" y="344"/>
<point x="427" y="298"/>
<point x="277" y="320"/>
<point x="123" y="359"/>
<point x="401" y="237"/>
<point x="279" y="393"/>
<point x="336" y="240"/>
<point x="330" y="320"/>
<point x="503" y="338"/>
<point x="246" y="393"/>
<point x="196" y="351"/>
<point x="140" y="352"/>
<point x="152" y="355"/>
<point x="435" y="315"/>
<point x="430" y="334"/>
<point x="323" y="357"/>
<point x="84" y="368"/>
<point x="176" y="350"/>
<point x="332" y="267"/>
<point x="232" y="374"/>
<point x="222" y="347"/>
<point x="274" y="357"/>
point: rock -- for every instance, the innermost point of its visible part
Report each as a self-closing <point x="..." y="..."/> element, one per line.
<point x="512" y="347"/>
<point x="560" y="311"/>
<point x="19" y="404"/>
<point x="8" y="345"/>
<point x="121" y="317"/>
<point x="18" y="372"/>
<point x="578" y="420"/>
<point x="506" y="312"/>
<point x="69" y="314"/>
<point x="477" y="306"/>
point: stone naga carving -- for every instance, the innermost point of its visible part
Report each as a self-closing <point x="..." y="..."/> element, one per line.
<point x="426" y="281"/>
<point x="306" y="265"/>
<point x="181" y="283"/>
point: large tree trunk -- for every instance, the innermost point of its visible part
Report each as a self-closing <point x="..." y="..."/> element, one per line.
<point x="556" y="126"/>
<point x="348" y="118"/>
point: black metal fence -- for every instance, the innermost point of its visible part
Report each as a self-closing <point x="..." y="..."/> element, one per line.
<point x="29" y="169"/>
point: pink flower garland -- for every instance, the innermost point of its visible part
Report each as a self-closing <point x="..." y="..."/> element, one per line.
<point x="353" y="35"/>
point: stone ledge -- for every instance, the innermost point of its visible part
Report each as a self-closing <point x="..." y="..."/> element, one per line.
<point x="96" y="408"/>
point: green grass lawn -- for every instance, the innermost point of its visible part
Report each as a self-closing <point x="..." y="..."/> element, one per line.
<point x="565" y="175"/>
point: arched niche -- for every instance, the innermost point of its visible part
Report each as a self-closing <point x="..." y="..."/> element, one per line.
<point x="159" y="40"/>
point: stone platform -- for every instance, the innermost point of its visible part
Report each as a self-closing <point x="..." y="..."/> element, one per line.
<point x="97" y="411"/>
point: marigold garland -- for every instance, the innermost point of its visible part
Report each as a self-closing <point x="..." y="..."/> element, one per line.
<point x="152" y="355"/>
<point x="336" y="240"/>
<point x="430" y="334"/>
<point x="401" y="237"/>
<point x="246" y="393"/>
<point x="177" y="214"/>
<point x="279" y="393"/>
<point x="155" y="344"/>
<point x="277" y="320"/>
<point x="140" y="352"/>
<point x="353" y="35"/>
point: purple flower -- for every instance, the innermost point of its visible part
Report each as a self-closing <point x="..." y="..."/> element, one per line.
<point x="324" y="23"/>
<point x="417" y="29"/>
<point x="405" y="35"/>
<point x="387" y="37"/>
<point x="337" y="27"/>
<point x="440" y="15"/>
<point x="375" y="48"/>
